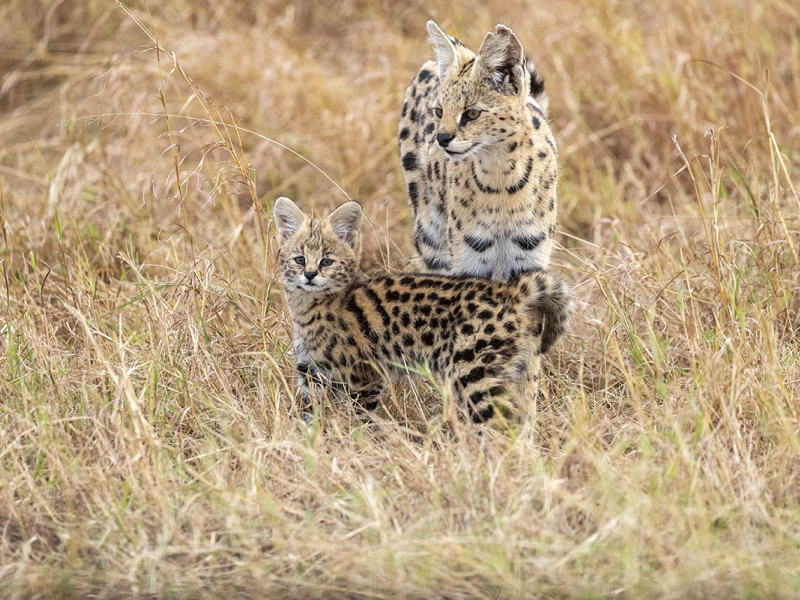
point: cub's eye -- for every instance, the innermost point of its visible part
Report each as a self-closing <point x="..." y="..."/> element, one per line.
<point x="472" y="114"/>
<point x="325" y="262"/>
<point x="300" y="260"/>
<point x="438" y="112"/>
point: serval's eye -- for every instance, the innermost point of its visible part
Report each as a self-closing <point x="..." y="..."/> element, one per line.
<point x="438" y="112"/>
<point x="472" y="114"/>
<point x="325" y="262"/>
<point x="300" y="260"/>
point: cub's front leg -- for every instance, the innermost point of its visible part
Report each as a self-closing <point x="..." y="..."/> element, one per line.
<point x="310" y="379"/>
<point x="365" y="386"/>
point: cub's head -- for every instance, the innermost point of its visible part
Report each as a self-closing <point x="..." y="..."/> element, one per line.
<point x="481" y="98"/>
<point x="318" y="256"/>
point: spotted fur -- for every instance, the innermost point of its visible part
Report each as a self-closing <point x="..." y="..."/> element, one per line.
<point x="482" y="338"/>
<point x="486" y="204"/>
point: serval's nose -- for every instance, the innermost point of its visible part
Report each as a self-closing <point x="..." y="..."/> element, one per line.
<point x="444" y="138"/>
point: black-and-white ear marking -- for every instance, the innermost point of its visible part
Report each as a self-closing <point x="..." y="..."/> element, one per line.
<point x="346" y="222"/>
<point x="444" y="48"/>
<point x="502" y="59"/>
<point x="288" y="218"/>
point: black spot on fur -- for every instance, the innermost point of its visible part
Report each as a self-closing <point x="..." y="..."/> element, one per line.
<point x="378" y="306"/>
<point x="538" y="110"/>
<point x="352" y="306"/>
<point x="475" y="375"/>
<point x="436" y="264"/>
<point x="486" y="189"/>
<point x="467" y="355"/>
<point x="410" y="162"/>
<point x="466" y="66"/>
<point x="413" y="193"/>
<point x="528" y="242"/>
<point x="497" y="343"/>
<point x="523" y="180"/>
<point x="424" y="237"/>
<point x="478" y="244"/>
<point x="482" y="415"/>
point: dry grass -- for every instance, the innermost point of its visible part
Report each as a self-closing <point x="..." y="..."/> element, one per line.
<point x="148" y="447"/>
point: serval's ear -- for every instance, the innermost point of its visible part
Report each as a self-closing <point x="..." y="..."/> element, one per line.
<point x="346" y="222"/>
<point x="444" y="48"/>
<point x="288" y="218"/>
<point x="502" y="61"/>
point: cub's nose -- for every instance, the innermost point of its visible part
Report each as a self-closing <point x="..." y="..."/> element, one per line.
<point x="310" y="275"/>
<point x="444" y="138"/>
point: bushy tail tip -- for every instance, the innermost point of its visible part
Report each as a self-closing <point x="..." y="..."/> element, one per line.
<point x="551" y="296"/>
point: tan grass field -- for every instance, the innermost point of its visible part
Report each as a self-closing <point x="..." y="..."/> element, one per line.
<point x="148" y="444"/>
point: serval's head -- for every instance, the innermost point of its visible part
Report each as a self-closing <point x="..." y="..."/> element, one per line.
<point x="480" y="104"/>
<point x="317" y="256"/>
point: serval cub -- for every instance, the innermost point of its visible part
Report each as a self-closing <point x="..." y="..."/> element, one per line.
<point x="479" y="159"/>
<point x="482" y="338"/>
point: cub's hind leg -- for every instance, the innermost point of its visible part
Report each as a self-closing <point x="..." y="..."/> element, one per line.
<point x="526" y="367"/>
<point x="481" y="385"/>
<point x="526" y="377"/>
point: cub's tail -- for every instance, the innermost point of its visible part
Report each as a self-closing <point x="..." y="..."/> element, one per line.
<point x="546" y="296"/>
<point x="537" y="90"/>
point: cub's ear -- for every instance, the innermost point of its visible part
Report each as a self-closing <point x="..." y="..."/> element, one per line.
<point x="346" y="222"/>
<point x="443" y="46"/>
<point x="288" y="218"/>
<point x="502" y="61"/>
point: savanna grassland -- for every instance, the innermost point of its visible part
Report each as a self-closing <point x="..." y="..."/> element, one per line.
<point x="149" y="445"/>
